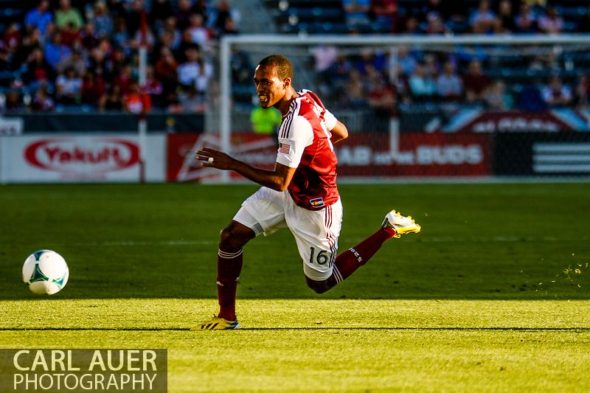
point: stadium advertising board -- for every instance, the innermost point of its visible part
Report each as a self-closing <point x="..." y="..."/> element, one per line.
<point x="361" y="155"/>
<point x="543" y="154"/>
<point x="255" y="149"/>
<point x="480" y="121"/>
<point x="418" y="154"/>
<point x="80" y="158"/>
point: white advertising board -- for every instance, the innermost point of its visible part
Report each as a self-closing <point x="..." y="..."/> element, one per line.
<point x="80" y="158"/>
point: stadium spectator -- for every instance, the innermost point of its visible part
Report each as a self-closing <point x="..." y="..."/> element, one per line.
<point x="380" y="94"/>
<point x="154" y="87"/>
<point x="505" y="23"/>
<point x="142" y="37"/>
<point x="299" y="192"/>
<point x="161" y="11"/>
<point x="188" y="100"/>
<point x="75" y="61"/>
<point x="55" y="51"/>
<point x="165" y="71"/>
<point x="102" y="20"/>
<point x="31" y="41"/>
<point x="475" y="82"/>
<point x="99" y="62"/>
<point x="355" y="90"/>
<point x="497" y="98"/>
<point x="120" y="37"/>
<point x="183" y="14"/>
<point x="134" y="101"/>
<point x="168" y="36"/>
<point x="93" y="88"/>
<point x="68" y="87"/>
<point x="324" y="60"/>
<point x="421" y="83"/>
<point x="555" y="93"/>
<point x="530" y="99"/>
<point x="230" y="28"/>
<point x="13" y="102"/>
<point x="483" y="19"/>
<point x="198" y="32"/>
<point x="88" y="37"/>
<point x="241" y="67"/>
<point x="411" y="26"/>
<point x="385" y="14"/>
<point x="538" y="6"/>
<point x="356" y="13"/>
<point x="526" y="20"/>
<point x="42" y="101"/>
<point x="220" y="15"/>
<point x="12" y="37"/>
<point x="448" y="83"/>
<point x="435" y="25"/>
<point x="582" y="91"/>
<point x="134" y="15"/>
<point x="67" y="16"/>
<point x="194" y="69"/>
<point x="124" y="78"/>
<point x="370" y="58"/>
<point x="551" y="22"/>
<point x="432" y="9"/>
<point x="403" y="61"/>
<point x="112" y="101"/>
<point x="39" y="17"/>
<point x="38" y="69"/>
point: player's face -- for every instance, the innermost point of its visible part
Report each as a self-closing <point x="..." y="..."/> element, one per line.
<point x="269" y="87"/>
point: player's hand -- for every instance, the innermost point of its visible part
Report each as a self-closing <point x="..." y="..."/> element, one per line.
<point x="214" y="158"/>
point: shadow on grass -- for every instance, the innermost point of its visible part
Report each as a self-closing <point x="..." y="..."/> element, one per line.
<point x="368" y="328"/>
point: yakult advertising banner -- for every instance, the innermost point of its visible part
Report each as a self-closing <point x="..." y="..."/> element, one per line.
<point x="81" y="158"/>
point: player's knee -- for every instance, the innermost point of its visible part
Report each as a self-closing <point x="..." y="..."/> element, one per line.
<point x="318" y="286"/>
<point x="232" y="238"/>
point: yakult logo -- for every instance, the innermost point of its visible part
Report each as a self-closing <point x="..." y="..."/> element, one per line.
<point x="82" y="155"/>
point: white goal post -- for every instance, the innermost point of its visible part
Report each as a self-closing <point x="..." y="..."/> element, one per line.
<point x="389" y="41"/>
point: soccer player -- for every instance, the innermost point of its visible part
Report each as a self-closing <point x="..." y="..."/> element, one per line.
<point x="300" y="192"/>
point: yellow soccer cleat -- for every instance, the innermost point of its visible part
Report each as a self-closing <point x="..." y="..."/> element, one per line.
<point x="401" y="224"/>
<point x="218" y="324"/>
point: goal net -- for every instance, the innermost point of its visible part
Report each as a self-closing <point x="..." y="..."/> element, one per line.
<point x="436" y="106"/>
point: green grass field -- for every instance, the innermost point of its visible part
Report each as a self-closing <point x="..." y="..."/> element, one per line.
<point x="493" y="295"/>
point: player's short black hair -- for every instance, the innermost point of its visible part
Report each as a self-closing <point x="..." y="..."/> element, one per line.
<point x="284" y="67"/>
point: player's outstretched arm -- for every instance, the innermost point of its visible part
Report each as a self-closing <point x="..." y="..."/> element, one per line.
<point x="339" y="133"/>
<point x="277" y="179"/>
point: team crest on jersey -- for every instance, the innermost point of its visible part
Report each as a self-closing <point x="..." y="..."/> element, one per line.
<point x="316" y="202"/>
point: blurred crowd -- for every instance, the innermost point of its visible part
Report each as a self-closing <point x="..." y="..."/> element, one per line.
<point x="382" y="80"/>
<point x="452" y="17"/>
<point x="84" y="56"/>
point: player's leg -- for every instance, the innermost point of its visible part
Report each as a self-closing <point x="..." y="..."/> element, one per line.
<point x="346" y="263"/>
<point x="260" y="213"/>
<point x="229" y="266"/>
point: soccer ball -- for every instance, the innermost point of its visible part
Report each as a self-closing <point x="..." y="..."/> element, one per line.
<point x="45" y="272"/>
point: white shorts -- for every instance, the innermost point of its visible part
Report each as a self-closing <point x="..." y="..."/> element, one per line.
<point x="316" y="231"/>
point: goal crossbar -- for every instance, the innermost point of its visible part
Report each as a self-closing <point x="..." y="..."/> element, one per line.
<point x="368" y="40"/>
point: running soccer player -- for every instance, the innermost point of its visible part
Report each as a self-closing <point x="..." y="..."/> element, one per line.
<point x="300" y="192"/>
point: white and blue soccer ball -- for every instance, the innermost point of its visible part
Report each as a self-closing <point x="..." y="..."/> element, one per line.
<point x="45" y="272"/>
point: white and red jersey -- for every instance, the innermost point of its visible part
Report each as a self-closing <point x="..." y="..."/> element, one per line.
<point x="304" y="143"/>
